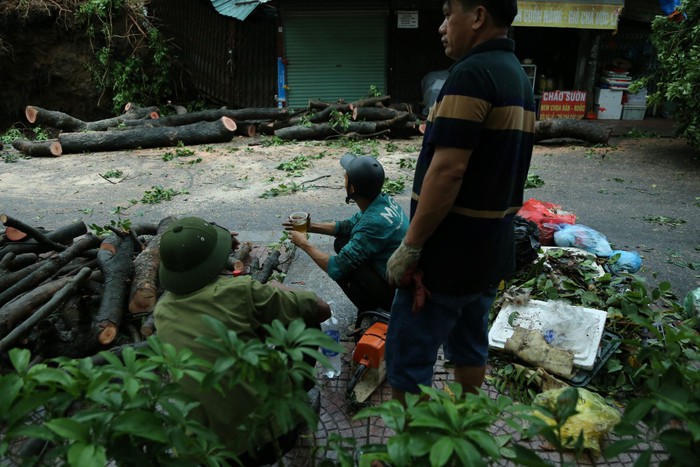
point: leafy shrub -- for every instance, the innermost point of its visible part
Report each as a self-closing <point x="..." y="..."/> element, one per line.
<point x="678" y="52"/>
<point x="131" y="410"/>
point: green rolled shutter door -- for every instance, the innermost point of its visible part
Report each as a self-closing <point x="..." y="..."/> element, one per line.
<point x="331" y="58"/>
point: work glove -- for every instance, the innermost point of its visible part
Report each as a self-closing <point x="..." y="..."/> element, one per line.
<point x="402" y="264"/>
<point x="420" y="292"/>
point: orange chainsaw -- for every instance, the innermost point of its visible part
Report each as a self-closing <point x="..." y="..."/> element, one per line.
<point x="368" y="366"/>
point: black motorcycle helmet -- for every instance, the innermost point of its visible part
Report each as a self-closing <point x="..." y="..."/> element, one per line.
<point x="365" y="174"/>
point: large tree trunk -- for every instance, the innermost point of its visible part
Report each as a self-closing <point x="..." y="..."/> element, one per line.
<point x="114" y="259"/>
<point x="65" y="122"/>
<point x="576" y="129"/>
<point x="219" y="131"/>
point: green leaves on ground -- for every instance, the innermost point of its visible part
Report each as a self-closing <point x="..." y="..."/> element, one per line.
<point x="394" y="186"/>
<point x="663" y="220"/>
<point x="158" y="194"/>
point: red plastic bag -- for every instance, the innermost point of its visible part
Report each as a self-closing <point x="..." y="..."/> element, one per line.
<point x="541" y="213"/>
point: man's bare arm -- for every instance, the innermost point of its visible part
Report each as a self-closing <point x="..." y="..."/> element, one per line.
<point x="438" y="193"/>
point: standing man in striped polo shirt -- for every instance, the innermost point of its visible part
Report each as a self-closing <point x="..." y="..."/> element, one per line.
<point x="467" y="188"/>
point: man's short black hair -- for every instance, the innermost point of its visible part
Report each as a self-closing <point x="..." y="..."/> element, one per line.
<point x="503" y="12"/>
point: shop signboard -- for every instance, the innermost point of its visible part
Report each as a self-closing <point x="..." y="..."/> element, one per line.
<point x="596" y="14"/>
<point x="563" y="104"/>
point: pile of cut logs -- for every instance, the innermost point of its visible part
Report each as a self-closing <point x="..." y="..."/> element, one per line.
<point x="144" y="127"/>
<point x="67" y="292"/>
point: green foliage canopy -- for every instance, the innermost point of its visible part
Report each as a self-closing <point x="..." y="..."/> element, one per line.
<point x="677" y="45"/>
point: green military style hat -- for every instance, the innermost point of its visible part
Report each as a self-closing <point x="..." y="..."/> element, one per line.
<point x="192" y="254"/>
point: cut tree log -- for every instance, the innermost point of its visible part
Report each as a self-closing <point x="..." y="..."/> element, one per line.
<point x="20" y="261"/>
<point x="42" y="239"/>
<point x="148" y="328"/>
<point x="65" y="122"/>
<point x="8" y="279"/>
<point x="246" y="129"/>
<point x="56" y="300"/>
<point x="114" y="259"/>
<point x="375" y="113"/>
<point x="48" y="268"/>
<point x="575" y="129"/>
<point x="19" y="309"/>
<point x="213" y="115"/>
<point x="63" y="235"/>
<point x="203" y="132"/>
<point x="271" y="263"/>
<point x="14" y="235"/>
<point x="144" y="286"/>
<point x="48" y="148"/>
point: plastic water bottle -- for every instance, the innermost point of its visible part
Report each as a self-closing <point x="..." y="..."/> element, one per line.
<point x="332" y="328"/>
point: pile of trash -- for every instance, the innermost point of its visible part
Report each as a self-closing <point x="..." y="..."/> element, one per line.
<point x="558" y="227"/>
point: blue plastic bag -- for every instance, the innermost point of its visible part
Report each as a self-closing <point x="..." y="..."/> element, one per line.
<point x="583" y="237"/>
<point x="627" y="261"/>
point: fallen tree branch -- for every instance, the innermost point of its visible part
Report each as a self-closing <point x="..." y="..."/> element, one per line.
<point x="32" y="232"/>
<point x="48" y="268"/>
<point x="23" y="329"/>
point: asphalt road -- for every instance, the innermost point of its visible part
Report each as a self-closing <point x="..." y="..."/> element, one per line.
<point x="642" y="194"/>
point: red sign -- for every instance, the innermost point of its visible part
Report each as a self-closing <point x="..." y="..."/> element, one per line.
<point x="563" y="104"/>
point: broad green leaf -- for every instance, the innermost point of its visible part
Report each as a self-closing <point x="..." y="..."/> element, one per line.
<point x="69" y="429"/>
<point x="468" y="453"/>
<point x="20" y="359"/>
<point x="485" y="441"/>
<point x="616" y="448"/>
<point x="528" y="457"/>
<point x="140" y="423"/>
<point x="644" y="459"/>
<point x="441" y="452"/>
<point x="86" y="455"/>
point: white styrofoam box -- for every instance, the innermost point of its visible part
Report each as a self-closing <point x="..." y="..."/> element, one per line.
<point x="571" y="327"/>
<point x="608" y="103"/>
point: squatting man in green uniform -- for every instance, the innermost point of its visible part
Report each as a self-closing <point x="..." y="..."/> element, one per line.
<point x="365" y="241"/>
<point x="193" y="253"/>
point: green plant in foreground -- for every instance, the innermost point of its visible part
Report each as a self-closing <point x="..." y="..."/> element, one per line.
<point x="132" y="410"/>
<point x="449" y="429"/>
<point x="158" y="194"/>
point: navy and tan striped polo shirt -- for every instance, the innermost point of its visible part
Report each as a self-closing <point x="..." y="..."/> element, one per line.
<point x="485" y="106"/>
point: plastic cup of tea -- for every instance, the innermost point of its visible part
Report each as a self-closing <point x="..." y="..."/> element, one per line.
<point x="299" y="221"/>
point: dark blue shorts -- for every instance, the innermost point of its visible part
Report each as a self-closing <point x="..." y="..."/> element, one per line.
<point x="459" y="322"/>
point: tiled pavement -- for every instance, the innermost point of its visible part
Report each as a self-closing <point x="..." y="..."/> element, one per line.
<point x="337" y="413"/>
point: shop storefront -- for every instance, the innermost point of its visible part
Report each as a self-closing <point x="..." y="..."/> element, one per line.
<point x="558" y="42"/>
